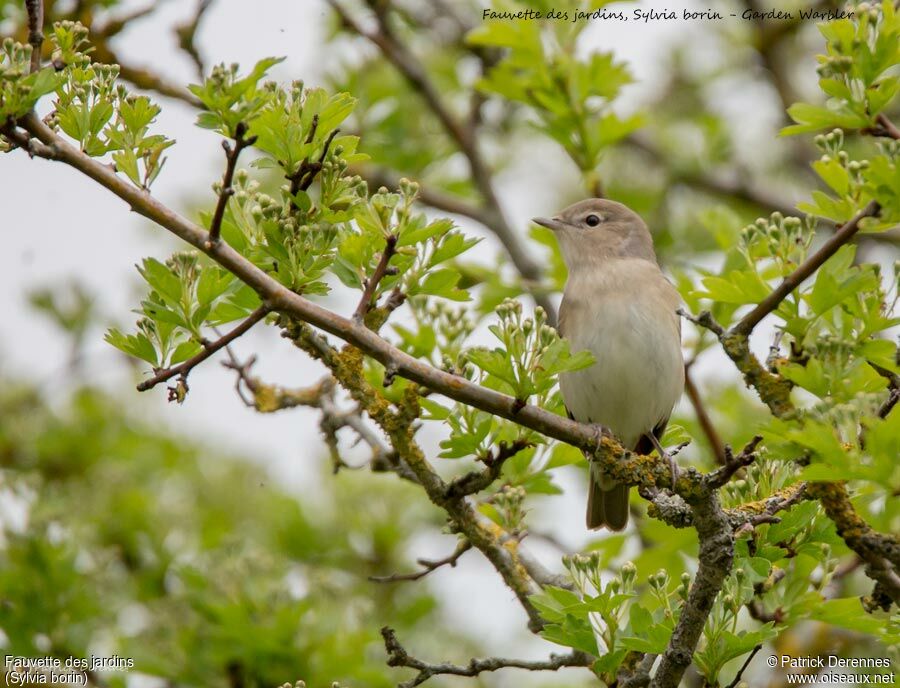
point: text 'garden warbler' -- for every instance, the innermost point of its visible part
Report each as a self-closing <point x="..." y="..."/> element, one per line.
<point x="619" y="306"/>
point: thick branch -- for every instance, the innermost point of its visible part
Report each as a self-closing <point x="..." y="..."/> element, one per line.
<point x="209" y="348"/>
<point x="772" y="389"/>
<point x="880" y="552"/>
<point x="714" y="564"/>
<point x="808" y="267"/>
<point x="286" y="301"/>
<point x="399" y="657"/>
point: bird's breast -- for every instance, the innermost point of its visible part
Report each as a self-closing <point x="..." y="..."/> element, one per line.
<point x="633" y="334"/>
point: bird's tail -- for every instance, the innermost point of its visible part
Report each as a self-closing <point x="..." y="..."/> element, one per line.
<point x="607" y="502"/>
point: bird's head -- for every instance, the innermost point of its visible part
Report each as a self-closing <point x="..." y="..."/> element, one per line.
<point x="598" y="229"/>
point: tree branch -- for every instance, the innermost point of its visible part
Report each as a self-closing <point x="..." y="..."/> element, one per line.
<point x="306" y="173"/>
<point x="428" y="565"/>
<point x="286" y="301"/>
<point x="808" y="267"/>
<point x="706" y="424"/>
<point x="268" y="398"/>
<point x="740" y="672"/>
<point x="227" y="191"/>
<point x="399" y="657"/>
<point x="209" y="348"/>
<point x="475" y="481"/>
<point x="143" y="78"/>
<point x="880" y="552"/>
<point x="888" y="128"/>
<point x="715" y="559"/>
<point x="371" y="284"/>
<point x="35" y="9"/>
<point x="187" y="33"/>
<point x="347" y="367"/>
<point x="733" y="464"/>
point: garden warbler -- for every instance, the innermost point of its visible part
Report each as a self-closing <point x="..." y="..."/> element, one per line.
<point x="618" y="305"/>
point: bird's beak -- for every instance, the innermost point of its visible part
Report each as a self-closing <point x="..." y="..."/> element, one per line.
<point x="551" y="223"/>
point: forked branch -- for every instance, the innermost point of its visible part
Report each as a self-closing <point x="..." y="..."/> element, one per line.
<point x="241" y="141"/>
<point x="209" y="348"/>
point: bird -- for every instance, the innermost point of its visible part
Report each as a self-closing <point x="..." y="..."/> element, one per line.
<point x="618" y="305"/>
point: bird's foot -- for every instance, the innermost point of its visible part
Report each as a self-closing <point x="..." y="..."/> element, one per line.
<point x="599" y="433"/>
<point x="673" y="467"/>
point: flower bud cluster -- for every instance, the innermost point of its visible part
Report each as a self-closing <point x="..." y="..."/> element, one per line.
<point x="510" y="504"/>
<point x="831" y="142"/>
<point x="787" y="239"/>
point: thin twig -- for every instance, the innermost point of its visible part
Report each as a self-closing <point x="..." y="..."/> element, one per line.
<point x="306" y="173"/>
<point x="371" y="283"/>
<point x="35" y="9"/>
<point x="733" y="464"/>
<point x="209" y="349"/>
<point x="890" y="129"/>
<point x="889" y="403"/>
<point x="227" y="190"/>
<point x="740" y="673"/>
<point x="808" y="267"/>
<point x="706" y="424"/>
<point x="705" y="320"/>
<point x="475" y="481"/>
<point x="428" y="565"/>
<point x="399" y="657"/>
<point x="777" y="504"/>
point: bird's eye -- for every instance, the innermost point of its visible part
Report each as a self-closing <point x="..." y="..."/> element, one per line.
<point x="592" y="220"/>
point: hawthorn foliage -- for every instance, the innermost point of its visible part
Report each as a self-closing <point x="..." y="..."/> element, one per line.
<point x="319" y="210"/>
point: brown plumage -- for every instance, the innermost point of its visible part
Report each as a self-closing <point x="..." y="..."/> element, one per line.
<point x="618" y="305"/>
